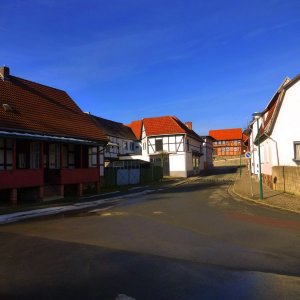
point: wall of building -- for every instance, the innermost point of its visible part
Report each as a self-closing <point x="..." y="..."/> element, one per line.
<point x="171" y="144"/>
<point x="114" y="151"/>
<point x="286" y="179"/>
<point x="286" y="129"/>
<point x="207" y="158"/>
<point x="178" y="165"/>
<point x="254" y="149"/>
<point x="227" y="147"/>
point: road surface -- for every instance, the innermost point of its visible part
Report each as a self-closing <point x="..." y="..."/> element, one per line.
<point x="190" y="242"/>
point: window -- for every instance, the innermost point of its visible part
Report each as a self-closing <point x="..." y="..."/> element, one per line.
<point x="158" y="145"/>
<point x="144" y="146"/>
<point x="69" y="156"/>
<point x="131" y="146"/>
<point x="297" y="151"/>
<point x="92" y="157"/>
<point x="34" y="155"/>
<point x="54" y="156"/>
<point x="6" y="154"/>
<point x="227" y="149"/>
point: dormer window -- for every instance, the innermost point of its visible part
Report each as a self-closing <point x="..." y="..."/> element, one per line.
<point x="7" y="107"/>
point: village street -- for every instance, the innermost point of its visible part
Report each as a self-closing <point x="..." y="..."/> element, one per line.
<point x="194" y="241"/>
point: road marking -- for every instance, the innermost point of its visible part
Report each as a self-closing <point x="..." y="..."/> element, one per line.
<point x="112" y="214"/>
<point x="100" y="209"/>
<point x="124" y="297"/>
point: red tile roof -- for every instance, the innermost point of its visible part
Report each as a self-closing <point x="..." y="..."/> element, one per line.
<point x="227" y="134"/>
<point x="40" y="109"/>
<point x="136" y="127"/>
<point x="162" y="126"/>
<point x="268" y="114"/>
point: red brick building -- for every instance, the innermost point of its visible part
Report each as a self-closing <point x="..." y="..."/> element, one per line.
<point x="48" y="146"/>
<point x="228" y="142"/>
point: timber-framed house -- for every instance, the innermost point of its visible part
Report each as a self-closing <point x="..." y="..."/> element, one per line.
<point x="168" y="142"/>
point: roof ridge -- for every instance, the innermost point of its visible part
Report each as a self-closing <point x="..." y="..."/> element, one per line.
<point x="107" y="119"/>
<point x="37" y="83"/>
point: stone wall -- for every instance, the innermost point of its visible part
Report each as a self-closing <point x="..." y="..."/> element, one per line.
<point x="287" y="179"/>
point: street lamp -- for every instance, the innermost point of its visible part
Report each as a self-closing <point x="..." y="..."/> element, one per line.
<point x="256" y="116"/>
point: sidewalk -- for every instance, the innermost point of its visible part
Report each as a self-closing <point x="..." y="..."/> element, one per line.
<point x="272" y="198"/>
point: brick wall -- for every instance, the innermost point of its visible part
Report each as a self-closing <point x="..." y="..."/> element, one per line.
<point x="287" y="179"/>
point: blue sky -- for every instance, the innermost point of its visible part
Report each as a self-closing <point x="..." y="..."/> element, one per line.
<point x="210" y="62"/>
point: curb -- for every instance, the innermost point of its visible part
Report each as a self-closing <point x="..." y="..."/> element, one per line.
<point x="232" y="192"/>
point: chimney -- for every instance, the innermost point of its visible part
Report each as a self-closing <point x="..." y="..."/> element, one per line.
<point x="189" y="125"/>
<point x="4" y="73"/>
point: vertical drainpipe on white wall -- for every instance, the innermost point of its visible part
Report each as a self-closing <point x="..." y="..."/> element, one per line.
<point x="186" y="154"/>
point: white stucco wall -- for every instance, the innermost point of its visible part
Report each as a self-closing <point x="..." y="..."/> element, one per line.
<point x="208" y="150"/>
<point x="286" y="129"/>
<point x="114" y="151"/>
<point x="177" y="162"/>
<point x="189" y="162"/>
<point x="254" y="149"/>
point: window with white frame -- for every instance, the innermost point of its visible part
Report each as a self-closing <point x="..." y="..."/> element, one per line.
<point x="297" y="151"/>
<point x="92" y="157"/>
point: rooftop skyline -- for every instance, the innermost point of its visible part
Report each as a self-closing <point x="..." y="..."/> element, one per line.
<point x="210" y="63"/>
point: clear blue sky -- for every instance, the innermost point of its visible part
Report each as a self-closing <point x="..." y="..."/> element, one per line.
<point x="209" y="62"/>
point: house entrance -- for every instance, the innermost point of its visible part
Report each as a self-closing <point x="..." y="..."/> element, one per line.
<point x="162" y="161"/>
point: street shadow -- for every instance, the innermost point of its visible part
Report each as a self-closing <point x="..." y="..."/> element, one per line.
<point x="222" y="170"/>
<point x="55" y="269"/>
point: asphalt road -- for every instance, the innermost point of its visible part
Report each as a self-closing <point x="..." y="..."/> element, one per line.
<point x="190" y="242"/>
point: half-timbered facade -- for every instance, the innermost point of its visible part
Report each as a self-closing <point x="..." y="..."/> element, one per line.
<point x="122" y="142"/>
<point x="48" y="146"/>
<point x="168" y="142"/>
<point x="228" y="142"/>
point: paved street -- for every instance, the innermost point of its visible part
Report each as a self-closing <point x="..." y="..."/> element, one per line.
<point x="193" y="241"/>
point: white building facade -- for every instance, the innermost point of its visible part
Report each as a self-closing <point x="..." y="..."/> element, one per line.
<point x="166" y="141"/>
<point x="279" y="134"/>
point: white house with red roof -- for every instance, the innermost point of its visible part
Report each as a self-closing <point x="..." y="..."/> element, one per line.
<point x="279" y="134"/>
<point x="169" y="142"/>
